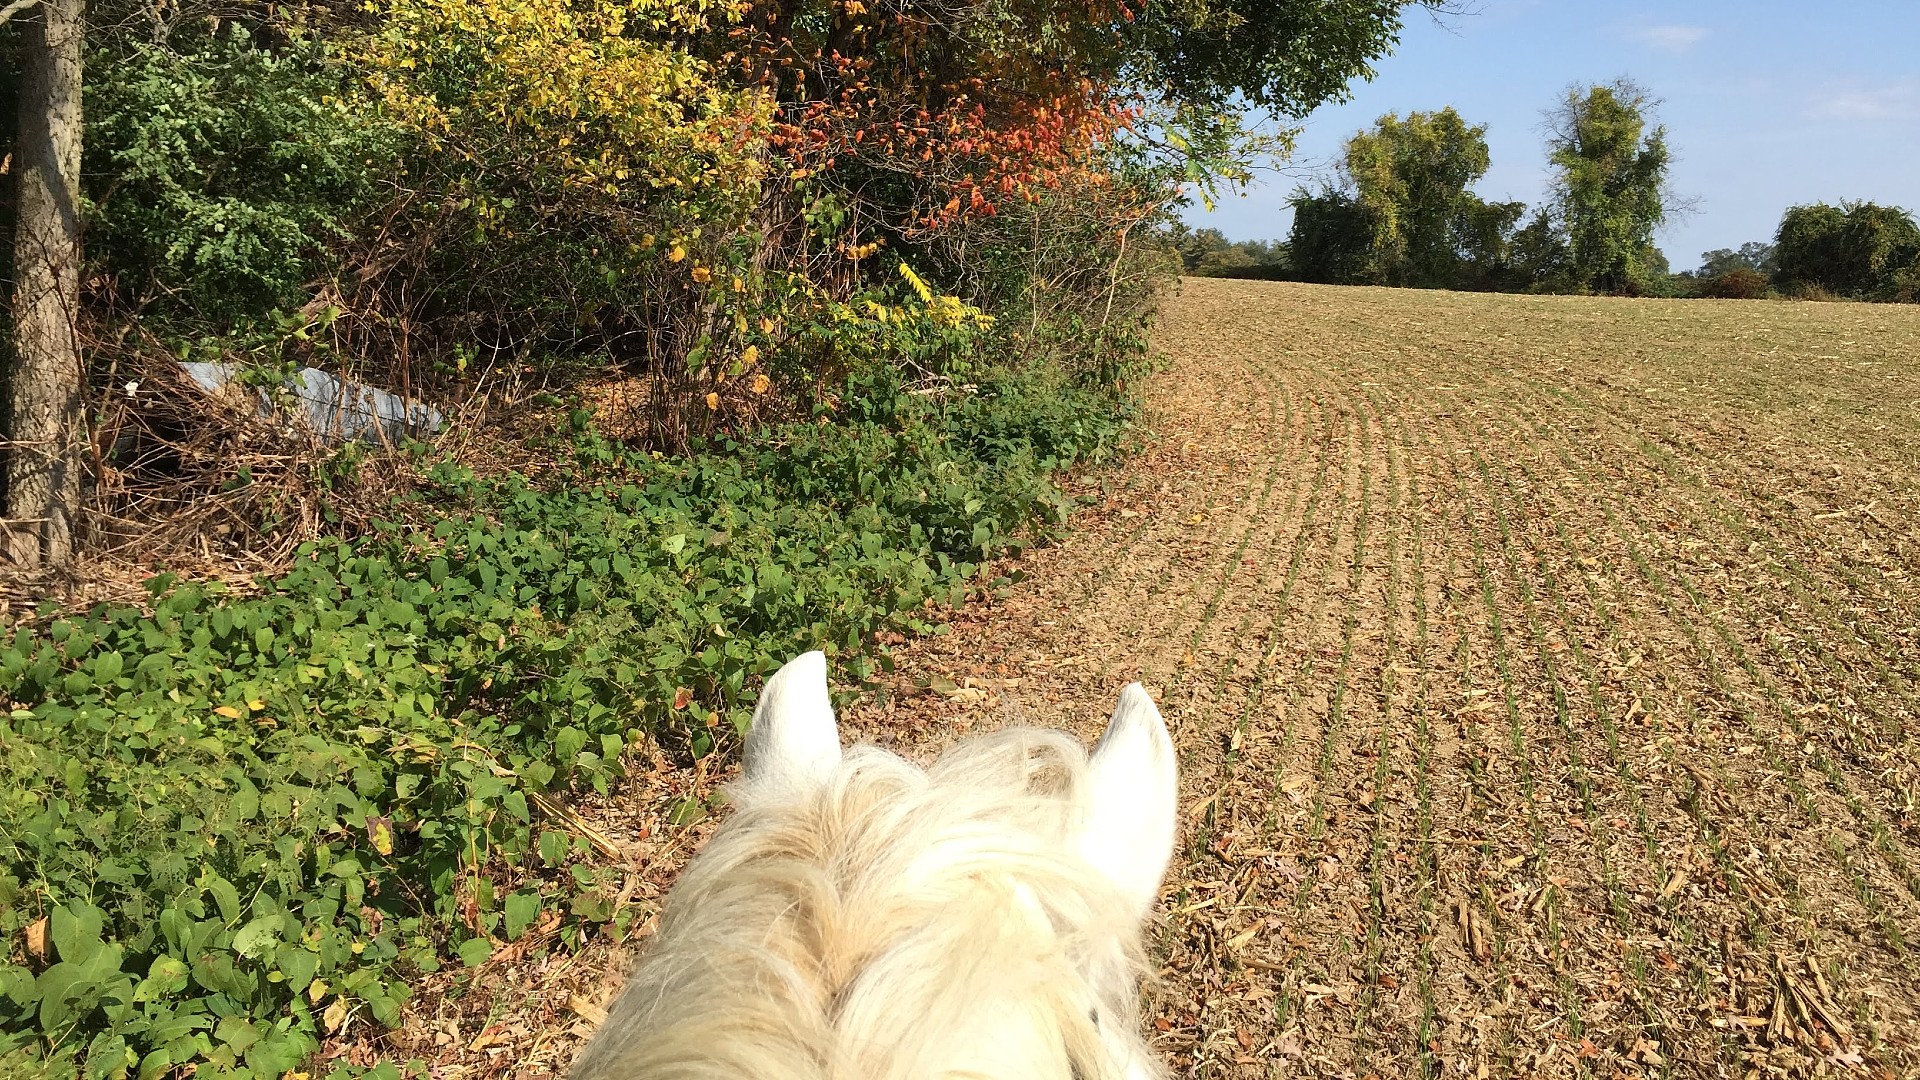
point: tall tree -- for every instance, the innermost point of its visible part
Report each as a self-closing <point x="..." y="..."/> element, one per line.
<point x="1402" y="190"/>
<point x="1412" y="177"/>
<point x="1609" y="190"/>
<point x="45" y="425"/>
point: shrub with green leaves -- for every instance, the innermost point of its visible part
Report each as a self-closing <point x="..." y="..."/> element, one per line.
<point x="222" y="173"/>
<point x="1739" y="283"/>
<point x="1331" y="236"/>
<point x="247" y="820"/>
<point x="1857" y="249"/>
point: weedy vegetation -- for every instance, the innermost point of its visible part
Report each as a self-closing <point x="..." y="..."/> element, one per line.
<point x="232" y="822"/>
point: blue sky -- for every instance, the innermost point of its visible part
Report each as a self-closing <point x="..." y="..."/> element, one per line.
<point x="1767" y="104"/>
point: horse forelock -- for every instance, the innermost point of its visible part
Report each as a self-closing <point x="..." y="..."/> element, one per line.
<point x="895" y="924"/>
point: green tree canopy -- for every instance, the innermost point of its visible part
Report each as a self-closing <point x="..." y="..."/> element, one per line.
<point x="1754" y="255"/>
<point x="1412" y="176"/>
<point x="1609" y="188"/>
<point x="1856" y="249"/>
<point x="1287" y="57"/>
<point x="1403" y="185"/>
<point x="1331" y="238"/>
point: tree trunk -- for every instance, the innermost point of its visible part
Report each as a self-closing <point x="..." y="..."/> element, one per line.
<point x="47" y="424"/>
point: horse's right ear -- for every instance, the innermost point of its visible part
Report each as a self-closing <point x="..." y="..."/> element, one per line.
<point x="794" y="743"/>
<point x="1131" y="800"/>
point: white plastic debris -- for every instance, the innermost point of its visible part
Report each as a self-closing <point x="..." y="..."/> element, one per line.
<point x="335" y="409"/>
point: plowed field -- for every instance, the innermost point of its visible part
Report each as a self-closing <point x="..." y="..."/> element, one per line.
<point x="1545" y="672"/>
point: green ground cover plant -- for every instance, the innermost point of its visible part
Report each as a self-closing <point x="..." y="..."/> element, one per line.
<point x="228" y="823"/>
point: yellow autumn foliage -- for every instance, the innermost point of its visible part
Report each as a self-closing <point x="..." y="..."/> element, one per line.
<point x="591" y="94"/>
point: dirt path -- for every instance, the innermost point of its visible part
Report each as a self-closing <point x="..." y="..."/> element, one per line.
<point x="1545" y="673"/>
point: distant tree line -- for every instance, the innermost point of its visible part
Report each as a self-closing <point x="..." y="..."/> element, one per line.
<point x="1208" y="253"/>
<point x="1399" y="210"/>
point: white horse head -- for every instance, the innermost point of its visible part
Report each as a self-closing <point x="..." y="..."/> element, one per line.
<point x="859" y="918"/>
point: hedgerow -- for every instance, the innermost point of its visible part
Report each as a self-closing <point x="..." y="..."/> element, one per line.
<point x="231" y="824"/>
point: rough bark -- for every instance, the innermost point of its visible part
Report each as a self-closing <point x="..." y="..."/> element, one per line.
<point x="46" y="421"/>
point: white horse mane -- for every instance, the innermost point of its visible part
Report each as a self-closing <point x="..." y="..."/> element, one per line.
<point x="859" y="918"/>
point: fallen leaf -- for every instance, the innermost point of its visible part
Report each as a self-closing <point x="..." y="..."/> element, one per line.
<point x="1675" y="882"/>
<point x="380" y="834"/>
<point x="37" y="938"/>
<point x="1295" y="787"/>
<point x="586" y="1010"/>
<point x="1845" y="1057"/>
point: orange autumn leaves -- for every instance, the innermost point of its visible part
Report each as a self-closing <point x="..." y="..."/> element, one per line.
<point x="976" y="117"/>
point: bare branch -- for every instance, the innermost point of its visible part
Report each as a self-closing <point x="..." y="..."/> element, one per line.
<point x="15" y="8"/>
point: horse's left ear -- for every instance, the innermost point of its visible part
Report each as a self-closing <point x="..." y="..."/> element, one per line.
<point x="1130" y="801"/>
<point x="794" y="743"/>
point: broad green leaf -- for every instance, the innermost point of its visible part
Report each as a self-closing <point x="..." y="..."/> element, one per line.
<point x="522" y="909"/>
<point x="475" y="951"/>
<point x="259" y="935"/>
<point x="155" y="1064"/>
<point x="298" y="964"/>
<point x="166" y="976"/>
<point x="225" y="895"/>
<point x="62" y="989"/>
<point x="76" y="931"/>
<point x="237" y="1032"/>
<point x="17" y="985"/>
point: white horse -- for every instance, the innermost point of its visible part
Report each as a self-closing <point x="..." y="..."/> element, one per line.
<point x="859" y="918"/>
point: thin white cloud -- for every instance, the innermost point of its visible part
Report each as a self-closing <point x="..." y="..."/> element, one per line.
<point x="1895" y="100"/>
<point x="1671" y="38"/>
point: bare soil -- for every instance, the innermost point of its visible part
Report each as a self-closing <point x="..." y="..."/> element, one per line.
<point x="1545" y="671"/>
